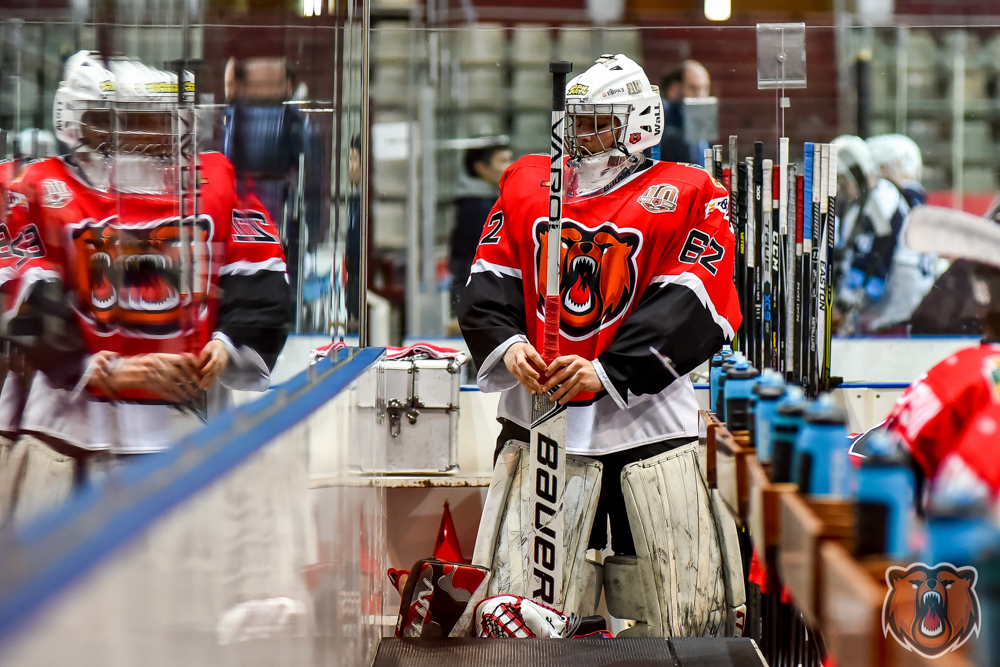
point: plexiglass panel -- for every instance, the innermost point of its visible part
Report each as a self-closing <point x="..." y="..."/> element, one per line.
<point x="280" y="561"/>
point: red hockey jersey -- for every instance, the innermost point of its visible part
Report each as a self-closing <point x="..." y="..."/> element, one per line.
<point x="648" y="264"/>
<point x="120" y="256"/>
<point x="954" y="409"/>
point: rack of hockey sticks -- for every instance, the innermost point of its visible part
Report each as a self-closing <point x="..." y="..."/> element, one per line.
<point x="784" y="220"/>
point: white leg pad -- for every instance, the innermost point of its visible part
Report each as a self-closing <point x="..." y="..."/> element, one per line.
<point x="686" y="563"/>
<point x="501" y="543"/>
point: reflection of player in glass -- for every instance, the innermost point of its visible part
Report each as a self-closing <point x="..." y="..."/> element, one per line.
<point x="120" y="298"/>
<point x="647" y="256"/>
<point x="880" y="281"/>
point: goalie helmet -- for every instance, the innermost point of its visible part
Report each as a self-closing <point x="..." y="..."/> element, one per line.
<point x="94" y="101"/>
<point x="122" y="122"/>
<point x="612" y="115"/>
<point x="87" y="84"/>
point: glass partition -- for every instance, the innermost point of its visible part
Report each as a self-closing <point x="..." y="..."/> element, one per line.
<point x="278" y="93"/>
<point x="258" y="541"/>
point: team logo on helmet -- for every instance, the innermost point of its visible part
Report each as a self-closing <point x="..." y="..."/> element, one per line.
<point x="660" y="198"/>
<point x="931" y="610"/>
<point x="635" y="137"/>
<point x="598" y="277"/>
<point x="55" y="194"/>
<point x="578" y="89"/>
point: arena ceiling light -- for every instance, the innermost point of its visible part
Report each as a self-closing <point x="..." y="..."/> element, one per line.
<point x="313" y="7"/>
<point x="716" y="10"/>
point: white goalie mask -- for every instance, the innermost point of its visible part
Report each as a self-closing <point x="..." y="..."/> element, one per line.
<point x="123" y="122"/>
<point x="613" y="114"/>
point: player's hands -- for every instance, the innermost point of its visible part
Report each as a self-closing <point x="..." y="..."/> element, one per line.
<point x="174" y="377"/>
<point x="573" y="374"/>
<point x="103" y="365"/>
<point x="211" y="362"/>
<point x="526" y="365"/>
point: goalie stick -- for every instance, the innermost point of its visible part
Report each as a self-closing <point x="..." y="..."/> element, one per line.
<point x="547" y="464"/>
<point x="954" y="234"/>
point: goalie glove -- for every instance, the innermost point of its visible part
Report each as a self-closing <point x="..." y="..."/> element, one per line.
<point x="515" y="616"/>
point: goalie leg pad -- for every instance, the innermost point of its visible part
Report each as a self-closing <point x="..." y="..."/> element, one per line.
<point x="682" y="561"/>
<point x="45" y="482"/>
<point x="501" y="543"/>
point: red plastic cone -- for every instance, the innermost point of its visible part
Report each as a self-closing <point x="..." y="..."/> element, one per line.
<point x="447" y="547"/>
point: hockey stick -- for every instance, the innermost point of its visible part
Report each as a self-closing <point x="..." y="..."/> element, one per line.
<point x="547" y="463"/>
<point x="777" y="295"/>
<point x="750" y="234"/>
<point x="813" y="385"/>
<point x="824" y="260"/>
<point x="788" y="262"/>
<point x="758" y="218"/>
<point x="739" y="265"/>
<point x="799" y="278"/>
<point x="831" y="237"/>
<point x="767" y="265"/>
<point x="951" y="233"/>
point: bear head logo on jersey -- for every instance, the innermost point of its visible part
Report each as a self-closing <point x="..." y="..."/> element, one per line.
<point x="598" y="277"/>
<point x="931" y="610"/>
<point x="129" y="274"/>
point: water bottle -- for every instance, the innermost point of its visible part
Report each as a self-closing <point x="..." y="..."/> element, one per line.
<point x="886" y="502"/>
<point x="822" y="466"/>
<point x="788" y="421"/>
<point x="738" y="392"/>
<point x="960" y="532"/>
<point x="768" y="390"/>
<point x="715" y="369"/>
<point x="720" y="403"/>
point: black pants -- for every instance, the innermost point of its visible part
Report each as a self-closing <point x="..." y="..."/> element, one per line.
<point x="611" y="504"/>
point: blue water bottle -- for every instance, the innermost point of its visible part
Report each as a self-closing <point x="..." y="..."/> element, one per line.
<point x="959" y="531"/>
<point x="788" y="419"/>
<point x="768" y="390"/>
<point x="714" y="370"/>
<point x="720" y="402"/>
<point x="822" y="464"/>
<point x="738" y="392"/>
<point x="885" y="512"/>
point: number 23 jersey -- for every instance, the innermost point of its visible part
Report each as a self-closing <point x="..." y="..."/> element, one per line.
<point x="648" y="264"/>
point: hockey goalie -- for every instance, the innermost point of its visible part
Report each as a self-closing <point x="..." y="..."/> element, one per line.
<point x="646" y="269"/>
<point x="147" y="289"/>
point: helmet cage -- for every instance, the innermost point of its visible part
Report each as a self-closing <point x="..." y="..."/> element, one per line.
<point x="619" y="121"/>
<point x="137" y="128"/>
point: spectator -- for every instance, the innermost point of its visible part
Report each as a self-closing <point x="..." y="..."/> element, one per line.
<point x="352" y="249"/>
<point x="478" y="190"/>
<point x="691" y="79"/>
